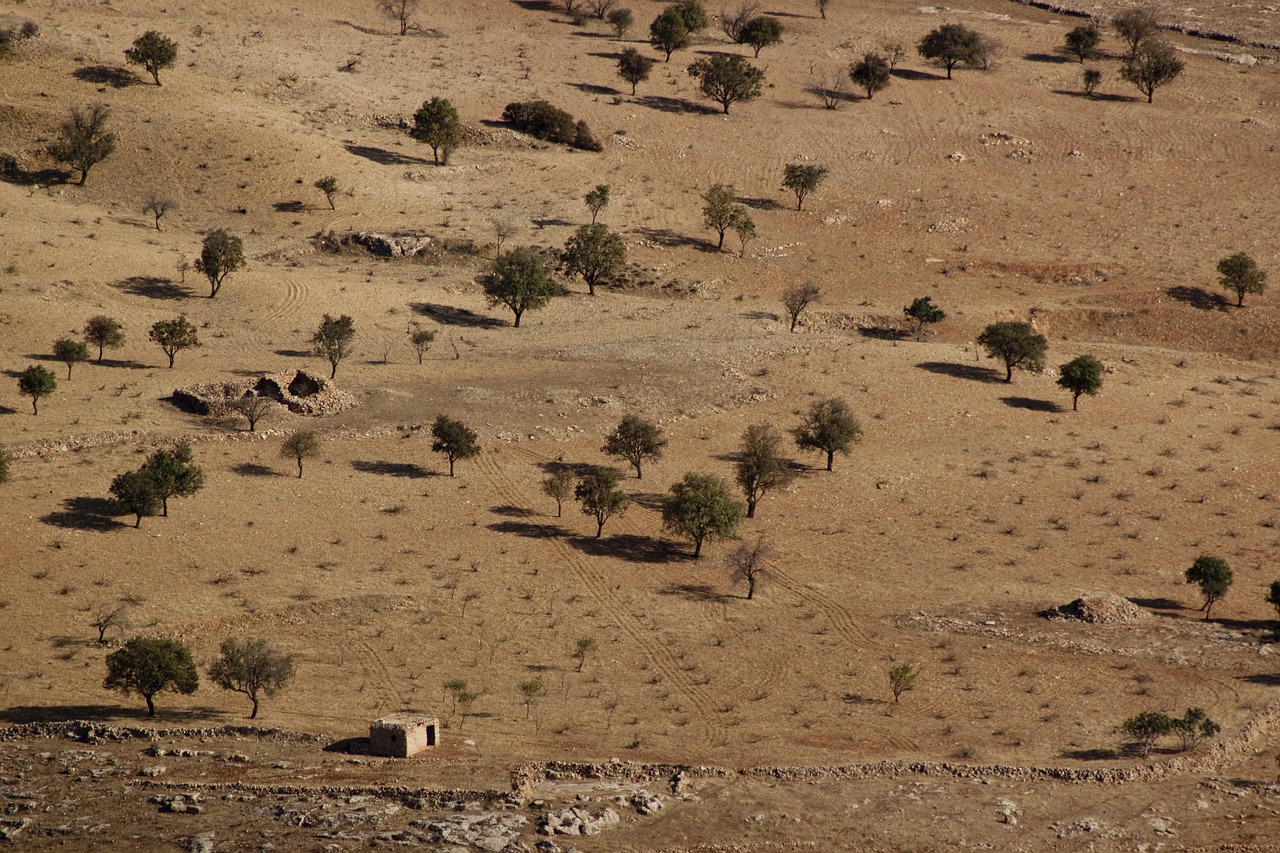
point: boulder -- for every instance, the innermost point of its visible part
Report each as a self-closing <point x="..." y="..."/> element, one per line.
<point x="1101" y="608"/>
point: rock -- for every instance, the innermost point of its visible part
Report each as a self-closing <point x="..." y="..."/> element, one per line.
<point x="202" y="843"/>
<point x="1161" y="825"/>
<point x="156" y="770"/>
<point x="1102" y="608"/>
<point x="11" y="827"/>
<point x="393" y="245"/>
<point x="646" y="804"/>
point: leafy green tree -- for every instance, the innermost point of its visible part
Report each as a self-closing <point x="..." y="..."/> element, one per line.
<point x="83" y="139"/>
<point x="1081" y="375"/>
<point x="761" y="467"/>
<point x="720" y="209"/>
<point x="1194" y="727"/>
<point x="1239" y="274"/>
<point x="634" y="68"/>
<point x="582" y="647"/>
<point x="872" y="73"/>
<point x="796" y="299"/>
<point x="35" y="382"/>
<point x="153" y="52"/>
<point x="1135" y="25"/>
<point x="70" y="352"/>
<point x="149" y="665"/>
<point x="598" y="493"/>
<point x="174" y="335"/>
<point x="802" y="179"/>
<point x="1152" y="66"/>
<point x="668" y="32"/>
<point x="745" y="227"/>
<point x="454" y="439"/>
<point x="1146" y="728"/>
<point x="727" y="79"/>
<point x="332" y="341"/>
<point x="519" y="280"/>
<point x="135" y="491"/>
<point x="1091" y="79"/>
<point x="921" y="313"/>
<point x="436" y="123"/>
<point x="950" y="45"/>
<point x="220" y="255"/>
<point x="621" y="20"/>
<point x="1082" y="42"/>
<point x="597" y="200"/>
<point x="749" y="562"/>
<point x="595" y="253"/>
<point x="693" y="14"/>
<point x="1213" y="576"/>
<point x="173" y="474"/>
<point x="559" y="487"/>
<point x="901" y="679"/>
<point x="635" y="440"/>
<point x="761" y="32"/>
<point x="103" y="332"/>
<point x="421" y="340"/>
<point x="830" y="427"/>
<point x="701" y="507"/>
<point x="251" y="667"/>
<point x="1016" y="343"/>
<point x="529" y="692"/>
<point x="329" y="186"/>
<point x="303" y="444"/>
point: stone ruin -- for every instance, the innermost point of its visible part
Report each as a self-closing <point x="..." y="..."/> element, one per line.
<point x="403" y="735"/>
<point x="297" y="390"/>
<point x="1099" y="608"/>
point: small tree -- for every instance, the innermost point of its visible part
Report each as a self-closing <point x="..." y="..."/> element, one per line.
<point x="761" y="467"/>
<point x="1017" y="344"/>
<point x="635" y="440"/>
<point x="901" y="679"/>
<point x="693" y="14"/>
<point x="173" y="474"/>
<point x="529" y="692"/>
<point x="400" y="11"/>
<point x="35" y="382"/>
<point x="894" y="52"/>
<point x="153" y="52"/>
<point x="1152" y="66"/>
<point x="70" y="352"/>
<point x="332" y="341"/>
<point x="733" y="22"/>
<point x="601" y="8"/>
<point x="1273" y="598"/>
<point x="598" y="493"/>
<point x="421" y="340"/>
<point x="455" y="688"/>
<point x="519" y="280"/>
<point x="1091" y="79"/>
<point x="745" y="227"/>
<point x="110" y="616"/>
<point x="595" y="253"/>
<point x="668" y="33"/>
<point x="174" y="336"/>
<point x="149" y="665"/>
<point x="749" y="562"/>
<point x="727" y="79"/>
<point x="251" y="667"/>
<point x="634" y="68"/>
<point x="454" y="439"/>
<point x="220" y="255"/>
<point x="254" y="407"/>
<point x="951" y="45"/>
<point x="436" y="123"/>
<point x="802" y="179"/>
<point x="136" y="494"/>
<point x="1213" y="576"/>
<point x="830" y="427"/>
<point x="621" y="20"/>
<point x="158" y="206"/>
<point x="1135" y="25"/>
<point x="329" y="186"/>
<point x="1081" y="375"/>
<point x="1082" y="42"/>
<point x="796" y="299"/>
<point x="720" y="209"/>
<point x="559" y="487"/>
<point x="871" y="73"/>
<point x="103" y="332"/>
<point x="1194" y="727"/>
<point x="822" y="7"/>
<point x="581" y="648"/>
<point x="921" y="313"/>
<point x="304" y="444"/>
<point x="1239" y="274"/>
<point x="597" y="200"/>
<point x="83" y="139"/>
<point x="1146" y="728"/>
<point x="761" y="32"/>
<point x="701" y="507"/>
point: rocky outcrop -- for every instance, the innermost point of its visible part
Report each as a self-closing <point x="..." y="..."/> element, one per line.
<point x="300" y="392"/>
<point x="403" y="244"/>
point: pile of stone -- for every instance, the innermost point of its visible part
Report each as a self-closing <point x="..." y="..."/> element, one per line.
<point x="402" y="244"/>
<point x="494" y="832"/>
<point x="577" y="821"/>
<point x="178" y="804"/>
<point x="297" y="390"/>
<point x="1099" y="608"/>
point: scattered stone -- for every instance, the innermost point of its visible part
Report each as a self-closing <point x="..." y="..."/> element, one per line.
<point x="1162" y="825"/>
<point x="577" y="821"/>
<point x="1008" y="812"/>
<point x="645" y="803"/>
<point x="10" y="828"/>
<point x="202" y="843"/>
<point x="178" y="804"/>
<point x="956" y="157"/>
<point x="1100" y="608"/>
<point x="405" y="244"/>
<point x="157" y="770"/>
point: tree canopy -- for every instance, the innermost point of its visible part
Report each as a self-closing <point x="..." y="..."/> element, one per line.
<point x="220" y="255"/>
<point x="436" y="123"/>
<point x="301" y="445"/>
<point x="174" y="335"/>
<point x="871" y="73"/>
<point x="634" y="67"/>
<point x="173" y="473"/>
<point x="153" y="52"/>
<point x="761" y="467"/>
<point x="921" y="313"/>
<point x="102" y="332"/>
<point x="149" y="665"/>
<point x="761" y="32"/>
<point x="1017" y="344"/>
<point x="251" y="667"/>
<point x="829" y="426"/>
<point x="35" y="382"/>
<point x="1082" y="42"/>
<point x="519" y="280"/>
<point x="635" y="440"/>
<point x="802" y="179"/>
<point x="595" y="253"/>
<point x="454" y="439"/>
<point x="702" y="508"/>
<point x="1239" y="274"/>
<point x="721" y="210"/>
<point x="727" y="79"/>
<point x="332" y="341"/>
<point x="950" y="45"/>
<point x="598" y="493"/>
<point x="1151" y="66"/>
<point x="1213" y="576"/>
<point x="1081" y="375"/>
<point x="83" y="139"/>
<point x="668" y="32"/>
<point x="70" y="352"/>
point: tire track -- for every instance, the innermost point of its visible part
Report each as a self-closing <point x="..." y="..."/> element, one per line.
<point x="379" y="676"/>
<point x="838" y="614"/>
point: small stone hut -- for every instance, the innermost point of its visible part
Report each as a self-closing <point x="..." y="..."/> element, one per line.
<point x="403" y="735"/>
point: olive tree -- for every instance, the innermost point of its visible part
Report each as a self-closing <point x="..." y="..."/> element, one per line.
<point x="1239" y="274"/>
<point x="519" y="280"/>
<point x="598" y="493"/>
<point x="303" y="444"/>
<point x="103" y="332"/>
<point x="828" y="426"/>
<point x="173" y="474"/>
<point x="559" y="487"/>
<point x="1081" y="375"/>
<point x="221" y="254"/>
<point x="154" y="52"/>
<point x="1213" y="576"/>
<point x="454" y="439"/>
<point x="727" y="79"/>
<point x="761" y="467"/>
<point x="1151" y="66"/>
<point x="136" y="494"/>
<point x="149" y="665"/>
<point x="635" y="440"/>
<point x="871" y="73"/>
<point x="332" y="341"/>
<point x="668" y="32"/>
<point x="921" y="313"/>
<point x="802" y="179"/>
<point x="83" y="139"/>
<point x="721" y="210"/>
<point x="702" y="508"/>
<point x="251" y="667"/>
<point x="595" y="253"/>
<point x="174" y="336"/>
<point x="1016" y="343"/>
<point x="1082" y="42"/>
<point x="70" y="352"/>
<point x="796" y="299"/>
<point x="749" y="562"/>
<point x="950" y="45"/>
<point x="35" y="382"/>
<point x="436" y="123"/>
<point x="634" y="68"/>
<point x="761" y="32"/>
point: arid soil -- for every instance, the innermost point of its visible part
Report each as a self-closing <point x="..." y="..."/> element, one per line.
<point x="969" y="507"/>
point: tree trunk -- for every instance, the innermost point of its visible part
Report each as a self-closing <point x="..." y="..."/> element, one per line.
<point x="720" y="245"/>
<point x="450" y="466"/>
<point x="164" y="503"/>
<point x="697" y="547"/>
<point x="100" y="347"/>
<point x="599" y="530"/>
<point x="84" y="176"/>
<point x="137" y="520"/>
<point x="299" y="468"/>
<point x="1008" y="372"/>
<point x="1075" y="403"/>
<point x="751" y="587"/>
<point x="517" y="323"/>
<point x="151" y="707"/>
<point x="171" y="355"/>
<point x="254" y="700"/>
<point x="751" y="510"/>
<point x="639" y="473"/>
<point x="333" y="368"/>
<point x="35" y="405"/>
<point x="831" y="456"/>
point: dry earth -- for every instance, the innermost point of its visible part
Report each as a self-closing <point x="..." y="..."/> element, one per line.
<point x="970" y="506"/>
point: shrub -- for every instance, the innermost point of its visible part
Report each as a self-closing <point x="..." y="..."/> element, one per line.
<point x="544" y="121"/>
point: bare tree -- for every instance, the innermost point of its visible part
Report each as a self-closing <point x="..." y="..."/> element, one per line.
<point x="829" y="85"/>
<point x="420" y="340"/>
<point x="600" y="8"/>
<point x="110" y="616"/>
<point x="158" y="206"/>
<point x="733" y="22"/>
<point x="796" y="299"/>
<point x="748" y="563"/>
<point x="400" y="11"/>
<point x="503" y="230"/>
<point x="254" y="408"/>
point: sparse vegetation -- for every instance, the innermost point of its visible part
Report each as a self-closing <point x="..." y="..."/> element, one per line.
<point x="401" y="12"/>
<point x="158" y="206"/>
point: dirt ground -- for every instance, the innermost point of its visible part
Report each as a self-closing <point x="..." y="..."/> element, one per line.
<point x="969" y="506"/>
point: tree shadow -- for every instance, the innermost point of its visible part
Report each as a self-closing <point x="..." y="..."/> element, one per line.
<point x="513" y="511"/>
<point x="394" y="469"/>
<point x="58" y="713"/>
<point x="672" y="239"/>
<point x="551" y="220"/>
<point x="253" y="469"/>
<point x="1031" y="404"/>
<point x="153" y="287"/>
<point x="591" y="34"/>
<point x="529" y="529"/>
<point x="592" y="89"/>
<point x="1090" y="754"/>
<point x="535" y="5"/>
<point x="912" y="74"/>
<point x="385" y="157"/>
<point x="1245" y="624"/>
<point x="5" y="410"/>
<point x="295" y="206"/>
<point x="1052" y="58"/>
<point x="1157" y="603"/>
<point x="578" y="469"/>
<point x="791" y="15"/>
<point x="1267" y="679"/>
<point x="760" y="315"/>
<point x="882" y="333"/>
<point x="39" y="178"/>
<point x="448" y="315"/>
<point x="649" y="500"/>
<point x="106" y="75"/>
<point x="963" y="371"/>
<point x="294" y="353"/>
<point x="662" y="103"/>
<point x="697" y="592"/>
<point x="1096" y="96"/>
<point x="612" y="57"/>
<point x="1198" y="297"/>
<point x="86" y="513"/>
<point x="629" y="547"/>
<point x="761" y="203"/>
